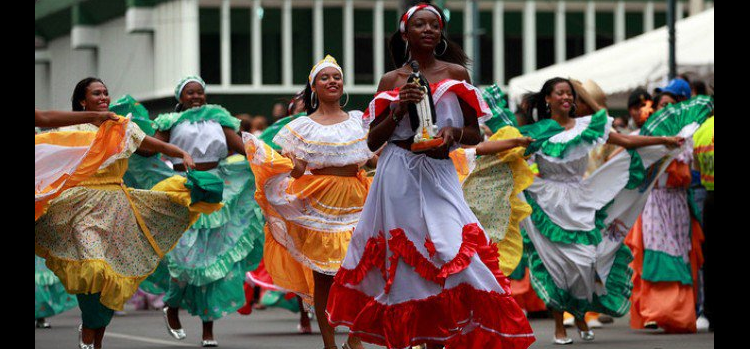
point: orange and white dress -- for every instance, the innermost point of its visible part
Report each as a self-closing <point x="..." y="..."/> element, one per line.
<point x="309" y="220"/>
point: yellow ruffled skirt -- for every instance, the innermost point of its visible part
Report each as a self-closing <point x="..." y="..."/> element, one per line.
<point x="309" y="220"/>
<point x="106" y="238"/>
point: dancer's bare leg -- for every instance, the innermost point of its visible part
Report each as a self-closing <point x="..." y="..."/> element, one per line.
<point x="322" y="287"/>
<point x="304" y="320"/>
<point x="98" y="337"/>
<point x="173" y="316"/>
<point x="208" y="330"/>
<point x="560" y="332"/>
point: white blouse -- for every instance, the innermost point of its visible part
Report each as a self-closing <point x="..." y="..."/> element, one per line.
<point x="337" y="145"/>
<point x="203" y="140"/>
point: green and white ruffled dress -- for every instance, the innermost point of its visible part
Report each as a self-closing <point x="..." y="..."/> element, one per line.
<point x="574" y="237"/>
<point x="206" y="270"/>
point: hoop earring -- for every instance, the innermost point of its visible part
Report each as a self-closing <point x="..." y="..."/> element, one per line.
<point x="407" y="53"/>
<point x="549" y="112"/>
<point x="573" y="108"/>
<point x="443" y="41"/>
<point x="347" y="100"/>
<point x="313" y="100"/>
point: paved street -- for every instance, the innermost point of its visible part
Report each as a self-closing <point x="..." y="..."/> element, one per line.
<point x="276" y="329"/>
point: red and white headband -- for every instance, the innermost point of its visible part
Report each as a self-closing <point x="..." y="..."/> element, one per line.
<point x="414" y="9"/>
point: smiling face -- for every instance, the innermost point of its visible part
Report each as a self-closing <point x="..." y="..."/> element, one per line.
<point x="97" y="97"/>
<point x="193" y="95"/>
<point x="329" y="85"/>
<point x="561" y="99"/>
<point x="423" y="31"/>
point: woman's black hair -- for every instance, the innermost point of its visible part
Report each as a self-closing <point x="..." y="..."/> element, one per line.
<point x="308" y="101"/>
<point x="290" y="107"/>
<point x="536" y="101"/>
<point x="79" y="93"/>
<point x="452" y="53"/>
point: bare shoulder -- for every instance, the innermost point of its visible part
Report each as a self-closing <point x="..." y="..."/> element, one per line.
<point x="389" y="81"/>
<point x="458" y="72"/>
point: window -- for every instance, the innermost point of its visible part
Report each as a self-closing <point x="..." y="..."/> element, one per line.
<point x="363" y="43"/>
<point x="513" y="45"/>
<point x="210" y="45"/>
<point x="241" y="46"/>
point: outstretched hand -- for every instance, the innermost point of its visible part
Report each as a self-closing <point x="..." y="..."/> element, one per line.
<point x="524" y="141"/>
<point x="674" y="142"/>
<point x="103" y="116"/>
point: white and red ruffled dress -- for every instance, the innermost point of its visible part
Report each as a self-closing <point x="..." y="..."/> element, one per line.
<point x="420" y="268"/>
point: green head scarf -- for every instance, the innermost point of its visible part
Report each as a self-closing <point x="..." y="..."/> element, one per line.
<point x="185" y="81"/>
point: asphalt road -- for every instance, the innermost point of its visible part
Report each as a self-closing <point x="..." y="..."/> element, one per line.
<point x="276" y="329"/>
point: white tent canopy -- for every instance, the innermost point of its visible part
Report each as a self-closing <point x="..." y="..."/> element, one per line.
<point x="640" y="61"/>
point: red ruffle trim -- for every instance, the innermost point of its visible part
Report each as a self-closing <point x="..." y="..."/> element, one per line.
<point x="373" y="256"/>
<point x="463" y="90"/>
<point x="461" y="317"/>
<point x="474" y="242"/>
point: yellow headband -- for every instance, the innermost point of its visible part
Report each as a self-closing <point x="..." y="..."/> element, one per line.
<point x="328" y="62"/>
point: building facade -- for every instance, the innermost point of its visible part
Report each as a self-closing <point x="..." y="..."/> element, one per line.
<point x="253" y="53"/>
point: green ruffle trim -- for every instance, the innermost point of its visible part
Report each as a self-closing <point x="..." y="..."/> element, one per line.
<point x="616" y="302"/>
<point x="541" y="131"/>
<point x="557" y="234"/>
<point x="127" y="104"/>
<point x="247" y="251"/>
<point x="239" y="212"/>
<point x="637" y="170"/>
<point x="659" y="266"/>
<point x="670" y="120"/>
<point x="595" y="131"/>
<point x="271" y="131"/>
<point x="501" y="115"/>
<point x="212" y="301"/>
<point x="207" y="112"/>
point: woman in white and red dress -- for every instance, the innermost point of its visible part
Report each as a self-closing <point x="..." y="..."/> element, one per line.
<point x="419" y="267"/>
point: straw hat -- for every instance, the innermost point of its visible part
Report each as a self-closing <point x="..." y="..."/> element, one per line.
<point x="591" y="94"/>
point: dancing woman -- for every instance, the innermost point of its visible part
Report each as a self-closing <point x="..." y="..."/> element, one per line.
<point x="576" y="264"/>
<point x="100" y="238"/>
<point x="207" y="267"/>
<point x="312" y="198"/>
<point x="420" y="268"/>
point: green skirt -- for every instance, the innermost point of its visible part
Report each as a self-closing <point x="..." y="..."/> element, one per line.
<point x="50" y="297"/>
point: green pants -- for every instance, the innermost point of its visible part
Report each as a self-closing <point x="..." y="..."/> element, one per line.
<point x="95" y="315"/>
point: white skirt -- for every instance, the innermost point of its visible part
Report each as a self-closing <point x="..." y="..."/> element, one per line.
<point x="420" y="268"/>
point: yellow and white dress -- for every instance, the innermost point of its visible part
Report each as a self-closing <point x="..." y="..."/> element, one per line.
<point x="98" y="236"/>
<point x="309" y="220"/>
